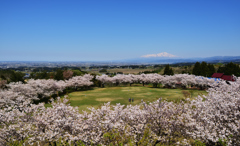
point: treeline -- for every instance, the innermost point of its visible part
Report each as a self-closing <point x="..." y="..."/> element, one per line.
<point x="11" y="76"/>
<point x="59" y="74"/>
<point x="7" y="76"/>
<point x="230" y="69"/>
<point x="203" y="69"/>
<point x="207" y="70"/>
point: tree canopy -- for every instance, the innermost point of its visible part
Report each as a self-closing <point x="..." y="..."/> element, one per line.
<point x="230" y="69"/>
<point x="168" y="70"/>
<point x="203" y="69"/>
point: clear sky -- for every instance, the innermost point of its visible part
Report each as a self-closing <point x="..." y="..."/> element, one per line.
<point x="96" y="30"/>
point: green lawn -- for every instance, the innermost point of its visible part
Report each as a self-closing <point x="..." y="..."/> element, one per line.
<point x="97" y="96"/>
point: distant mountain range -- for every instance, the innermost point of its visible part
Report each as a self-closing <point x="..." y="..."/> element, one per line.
<point x="166" y="60"/>
<point x="153" y="59"/>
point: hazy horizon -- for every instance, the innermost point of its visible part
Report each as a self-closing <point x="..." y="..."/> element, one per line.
<point x="116" y="30"/>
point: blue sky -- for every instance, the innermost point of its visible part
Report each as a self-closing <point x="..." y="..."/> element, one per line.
<point x="96" y="30"/>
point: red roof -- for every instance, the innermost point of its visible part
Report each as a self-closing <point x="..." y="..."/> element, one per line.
<point x="217" y="75"/>
<point x="227" y="78"/>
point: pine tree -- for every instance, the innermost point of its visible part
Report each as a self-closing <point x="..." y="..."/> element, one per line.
<point x="59" y="75"/>
<point x="211" y="70"/>
<point x="197" y="69"/>
<point x="168" y="70"/>
<point x="204" y="69"/>
<point x="230" y="69"/>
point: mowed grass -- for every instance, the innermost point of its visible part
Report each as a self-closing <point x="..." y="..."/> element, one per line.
<point x="98" y="96"/>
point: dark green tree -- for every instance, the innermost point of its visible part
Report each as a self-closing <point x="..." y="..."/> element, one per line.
<point x="78" y="72"/>
<point x="42" y="75"/>
<point x="103" y="70"/>
<point x="221" y="69"/>
<point x="211" y="70"/>
<point x="96" y="82"/>
<point x="17" y="76"/>
<point x="59" y="75"/>
<point x="197" y="69"/>
<point x="204" y="69"/>
<point x="230" y="69"/>
<point x="168" y="70"/>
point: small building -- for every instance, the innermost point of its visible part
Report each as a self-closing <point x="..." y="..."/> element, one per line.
<point x="217" y="75"/>
<point x="228" y="78"/>
<point x="223" y="77"/>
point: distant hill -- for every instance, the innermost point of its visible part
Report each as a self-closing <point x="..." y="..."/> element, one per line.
<point x="165" y="60"/>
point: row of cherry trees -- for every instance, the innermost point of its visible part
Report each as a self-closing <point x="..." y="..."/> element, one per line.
<point x="155" y="79"/>
<point x="40" y="88"/>
<point x="35" y="89"/>
<point x="210" y="119"/>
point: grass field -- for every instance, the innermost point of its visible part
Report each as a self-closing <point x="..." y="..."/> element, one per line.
<point x="97" y="96"/>
<point x="123" y="70"/>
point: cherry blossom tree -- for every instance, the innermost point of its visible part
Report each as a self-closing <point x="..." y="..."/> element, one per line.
<point x="211" y="118"/>
<point x="67" y="74"/>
